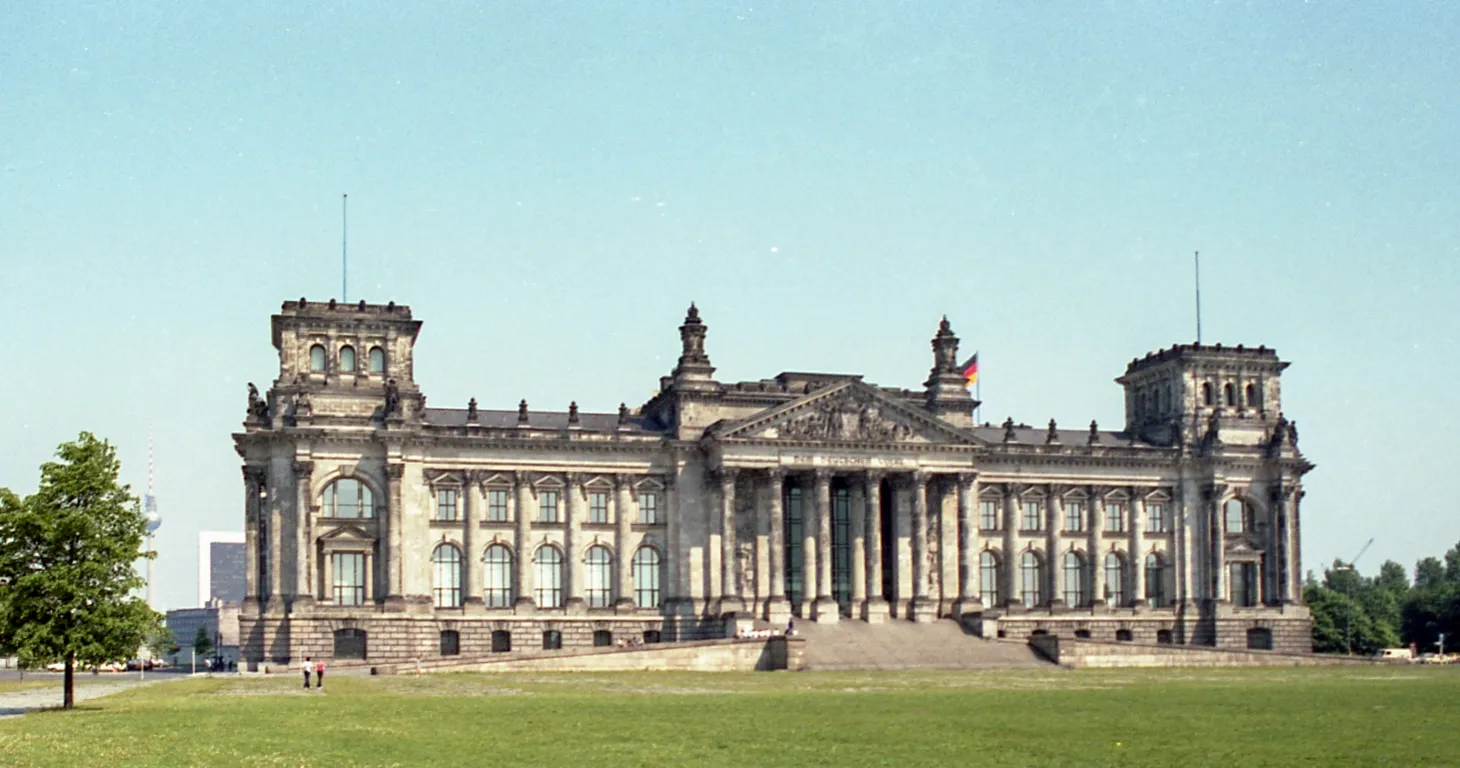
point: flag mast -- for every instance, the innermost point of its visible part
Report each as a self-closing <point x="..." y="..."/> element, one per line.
<point x="344" y="249"/>
<point x="1197" y="268"/>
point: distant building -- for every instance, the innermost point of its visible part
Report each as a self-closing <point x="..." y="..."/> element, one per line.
<point x="220" y="567"/>
<point x="219" y="620"/>
<point x="376" y="525"/>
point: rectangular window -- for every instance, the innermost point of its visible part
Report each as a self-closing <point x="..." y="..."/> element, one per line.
<point x="988" y="515"/>
<point x="497" y="505"/>
<point x="1074" y="516"/>
<point x="1244" y="583"/>
<point x="348" y="578"/>
<point x="446" y="504"/>
<point x="1033" y="521"/>
<point x="1115" y="517"/>
<point x="1156" y="518"/>
<point x="649" y="508"/>
<point x="547" y="506"/>
<point x="598" y="507"/>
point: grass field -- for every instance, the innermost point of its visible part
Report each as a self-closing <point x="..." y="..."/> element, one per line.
<point x="1396" y="716"/>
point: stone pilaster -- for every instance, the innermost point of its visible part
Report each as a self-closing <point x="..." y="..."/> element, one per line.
<point x="1218" y="535"/>
<point x="253" y="487"/>
<point x="875" y="610"/>
<point x="808" y="548"/>
<point x="623" y="517"/>
<point x="1011" y="546"/>
<point x="1096" y="552"/>
<point x="1295" y="553"/>
<point x="969" y="600"/>
<point x="304" y="574"/>
<point x="923" y="609"/>
<point x="395" y="555"/>
<point x="471" y="507"/>
<point x="1138" y="550"/>
<point x="825" y="607"/>
<point x="573" y="498"/>
<point x="1282" y="527"/>
<point x="522" y="484"/>
<point x="857" y="548"/>
<point x="1052" y="569"/>
<point x="730" y="601"/>
<point x="778" y="609"/>
<point x="276" y="550"/>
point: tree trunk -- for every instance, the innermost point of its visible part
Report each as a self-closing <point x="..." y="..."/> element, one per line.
<point x="70" y="696"/>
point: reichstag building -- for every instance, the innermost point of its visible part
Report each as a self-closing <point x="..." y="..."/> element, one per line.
<point x="382" y="529"/>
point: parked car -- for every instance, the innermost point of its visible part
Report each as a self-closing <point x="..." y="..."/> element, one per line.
<point x="1395" y="654"/>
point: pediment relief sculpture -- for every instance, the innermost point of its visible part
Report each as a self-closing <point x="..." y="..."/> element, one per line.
<point x="846" y="419"/>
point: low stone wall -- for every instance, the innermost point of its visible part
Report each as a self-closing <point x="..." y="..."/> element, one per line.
<point x="777" y="653"/>
<point x="1090" y="654"/>
<point x="1285" y="632"/>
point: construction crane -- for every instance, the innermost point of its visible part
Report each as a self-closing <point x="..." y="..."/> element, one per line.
<point x="1362" y="550"/>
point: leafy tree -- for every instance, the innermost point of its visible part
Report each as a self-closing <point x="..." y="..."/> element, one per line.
<point x="1452" y="565"/>
<point x="1393" y="579"/>
<point x="202" y="643"/>
<point x="1428" y="572"/>
<point x="163" y="643"/>
<point x="67" y="556"/>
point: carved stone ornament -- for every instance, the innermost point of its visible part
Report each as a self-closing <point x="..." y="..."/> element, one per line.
<point x="845" y="419"/>
<point x="258" y="408"/>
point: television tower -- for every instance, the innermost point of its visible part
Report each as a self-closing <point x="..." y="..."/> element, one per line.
<point x="154" y="520"/>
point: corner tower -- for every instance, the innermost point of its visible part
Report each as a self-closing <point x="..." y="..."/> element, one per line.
<point x="946" y="391"/>
<point x="1179" y="394"/>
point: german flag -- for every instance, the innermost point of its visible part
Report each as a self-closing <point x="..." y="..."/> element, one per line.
<point x="970" y="371"/>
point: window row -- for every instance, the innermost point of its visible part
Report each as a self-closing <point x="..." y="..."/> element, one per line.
<point x="350" y="498"/>
<point x="345" y="359"/>
<point x="1251" y="395"/>
<point x="1075" y="581"/>
<point x="1075" y="516"/>
<point x="548" y="577"/>
<point x="351" y="643"/>
<point x="549" y="506"/>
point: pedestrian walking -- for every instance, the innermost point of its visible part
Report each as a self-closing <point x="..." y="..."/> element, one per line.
<point x="319" y="674"/>
<point x="306" y="667"/>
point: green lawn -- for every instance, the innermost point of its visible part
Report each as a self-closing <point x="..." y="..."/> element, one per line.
<point x="1399" y="716"/>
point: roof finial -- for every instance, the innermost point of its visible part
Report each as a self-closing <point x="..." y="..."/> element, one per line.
<point x="1053" y="436"/>
<point x="623" y="415"/>
<point x="471" y="409"/>
<point x="522" y="413"/>
<point x="573" y="412"/>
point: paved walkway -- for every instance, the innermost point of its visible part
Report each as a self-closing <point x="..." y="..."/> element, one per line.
<point x="20" y="702"/>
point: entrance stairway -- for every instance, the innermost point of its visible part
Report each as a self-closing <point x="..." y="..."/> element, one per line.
<point x="905" y="645"/>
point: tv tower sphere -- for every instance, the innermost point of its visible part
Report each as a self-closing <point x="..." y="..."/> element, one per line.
<point x="154" y="520"/>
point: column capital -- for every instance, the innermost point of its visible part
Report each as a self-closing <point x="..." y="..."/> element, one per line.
<point x="967" y="479"/>
<point x="1214" y="491"/>
<point x="776" y="475"/>
<point x="395" y="471"/>
<point x="572" y="479"/>
<point x="521" y="478"/>
<point x="304" y="468"/>
<point x="919" y="479"/>
<point x="623" y="482"/>
<point x="254" y="475"/>
<point x="874" y="475"/>
<point x="821" y="475"/>
<point x="727" y="475"/>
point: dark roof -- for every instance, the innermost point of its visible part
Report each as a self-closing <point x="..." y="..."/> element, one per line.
<point x="1023" y="435"/>
<point x="591" y="422"/>
<point x="1204" y="352"/>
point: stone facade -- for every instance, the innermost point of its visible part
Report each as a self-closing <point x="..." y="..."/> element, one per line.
<point x="382" y="529"/>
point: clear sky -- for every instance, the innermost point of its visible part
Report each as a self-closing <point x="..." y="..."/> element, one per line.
<point x="548" y="186"/>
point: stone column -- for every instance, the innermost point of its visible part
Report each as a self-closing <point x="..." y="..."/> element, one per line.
<point x="572" y="545"/>
<point x="394" y="556"/>
<point x="729" y="547"/>
<point x="1295" y="553"/>
<point x="923" y="609"/>
<point x="808" y="549"/>
<point x="303" y="551"/>
<point x="874" y="611"/>
<point x="968" y="547"/>
<point x="1096" y="554"/>
<point x="276" y="549"/>
<point x="826" y="609"/>
<point x="1054" y="599"/>
<point x="253" y="480"/>
<point x="1218" y="534"/>
<point x="471" y="507"/>
<point x="1138" y="550"/>
<point x="902" y="506"/>
<point x="857" y="548"/>
<point x="1011" y="546"/>
<point x="327" y="594"/>
<point x="623" y="486"/>
<point x="523" y="486"/>
<point x="1279" y="549"/>
<point x="778" y="609"/>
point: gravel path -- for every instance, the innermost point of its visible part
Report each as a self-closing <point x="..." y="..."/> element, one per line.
<point x="20" y="702"/>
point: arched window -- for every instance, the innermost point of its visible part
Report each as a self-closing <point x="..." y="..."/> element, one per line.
<point x="1206" y="393"/>
<point x="347" y="359"/>
<point x="446" y="581"/>
<point x="988" y="578"/>
<point x="1229" y="395"/>
<point x="377" y="360"/>
<point x="1072" y="566"/>
<point x="598" y="577"/>
<point x="349" y="498"/>
<point x="548" y="564"/>
<point x="349" y="644"/>
<point x="1155" y="581"/>
<point x="1082" y="634"/>
<point x="450" y="642"/>
<point x="1031" y="579"/>
<point x="1237" y="517"/>
<point x="1252" y="400"/>
<point x="1115" y="579"/>
<point x="316" y="359"/>
<point x="498" y="574"/>
<point x="646" y="577"/>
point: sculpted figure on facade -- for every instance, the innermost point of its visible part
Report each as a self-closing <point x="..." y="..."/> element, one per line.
<point x="846" y="420"/>
<point x="258" y="408"/>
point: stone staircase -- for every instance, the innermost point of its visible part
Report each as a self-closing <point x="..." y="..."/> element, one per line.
<point x="905" y="645"/>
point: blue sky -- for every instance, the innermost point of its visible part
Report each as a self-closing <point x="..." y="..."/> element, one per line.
<point x="549" y="185"/>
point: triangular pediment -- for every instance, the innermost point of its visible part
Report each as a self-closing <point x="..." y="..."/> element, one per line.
<point x="348" y="533"/>
<point x="848" y="412"/>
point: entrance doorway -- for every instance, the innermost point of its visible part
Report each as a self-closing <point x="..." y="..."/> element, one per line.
<point x="886" y="517"/>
